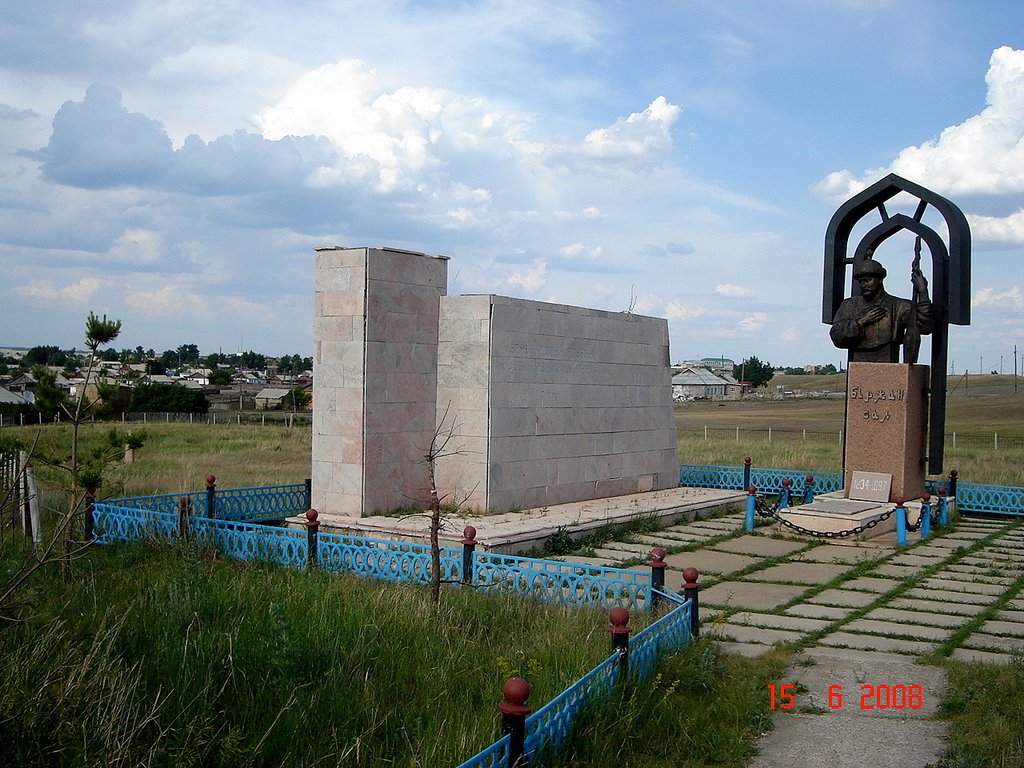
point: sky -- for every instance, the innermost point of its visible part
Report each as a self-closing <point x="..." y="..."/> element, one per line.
<point x="175" y="164"/>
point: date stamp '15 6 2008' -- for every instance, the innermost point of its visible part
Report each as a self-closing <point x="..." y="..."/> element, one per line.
<point x="783" y="696"/>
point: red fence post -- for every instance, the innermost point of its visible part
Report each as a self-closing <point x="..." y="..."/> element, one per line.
<point x="468" y="547"/>
<point x="211" y="496"/>
<point x="513" y="719"/>
<point x="185" y="507"/>
<point x="619" y="617"/>
<point x="312" y="531"/>
<point x="690" y="588"/>
<point x="657" y="575"/>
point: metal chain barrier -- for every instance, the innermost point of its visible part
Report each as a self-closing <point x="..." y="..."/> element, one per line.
<point x="763" y="509"/>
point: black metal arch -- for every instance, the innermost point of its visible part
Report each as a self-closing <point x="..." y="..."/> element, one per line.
<point x="950" y="281"/>
<point x="957" y="296"/>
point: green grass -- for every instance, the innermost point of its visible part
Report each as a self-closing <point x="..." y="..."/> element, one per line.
<point x="986" y="407"/>
<point x="986" y="711"/>
<point x="170" y="656"/>
<point x="702" y="708"/>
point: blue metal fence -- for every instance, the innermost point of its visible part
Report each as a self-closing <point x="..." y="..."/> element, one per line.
<point x="552" y="581"/>
<point x="977" y="497"/>
<point x="271" y="502"/>
<point x="549" y="581"/>
<point x="970" y="497"/>
<point x="549" y="728"/>
<point x="382" y="559"/>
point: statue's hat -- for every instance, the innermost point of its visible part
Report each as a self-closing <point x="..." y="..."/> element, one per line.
<point x="869" y="268"/>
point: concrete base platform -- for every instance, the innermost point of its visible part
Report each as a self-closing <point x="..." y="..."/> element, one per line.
<point x="831" y="512"/>
<point x="518" y="532"/>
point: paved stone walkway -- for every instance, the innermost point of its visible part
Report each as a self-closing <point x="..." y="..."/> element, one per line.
<point x="872" y="620"/>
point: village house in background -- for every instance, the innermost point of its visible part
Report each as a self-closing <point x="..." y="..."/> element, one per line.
<point x="239" y="388"/>
<point x="699" y="383"/>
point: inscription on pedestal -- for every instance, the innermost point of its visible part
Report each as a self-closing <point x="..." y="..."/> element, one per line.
<point x="885" y="428"/>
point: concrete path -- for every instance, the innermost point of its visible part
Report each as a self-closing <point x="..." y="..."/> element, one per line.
<point x="520" y="532"/>
<point x="874" y="624"/>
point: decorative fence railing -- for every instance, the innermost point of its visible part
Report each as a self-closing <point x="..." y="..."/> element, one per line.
<point x="272" y="502"/>
<point x="765" y="480"/>
<point x="977" y="497"/>
<point x="550" y="581"/>
<point x="970" y="497"/>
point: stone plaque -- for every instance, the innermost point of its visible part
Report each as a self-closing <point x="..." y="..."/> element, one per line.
<point x="870" y="486"/>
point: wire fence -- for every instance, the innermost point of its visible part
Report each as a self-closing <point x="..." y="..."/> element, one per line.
<point x="249" y="418"/>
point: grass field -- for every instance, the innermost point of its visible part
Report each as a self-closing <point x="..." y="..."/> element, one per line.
<point x="153" y="655"/>
<point x="805" y="435"/>
<point x="806" y="430"/>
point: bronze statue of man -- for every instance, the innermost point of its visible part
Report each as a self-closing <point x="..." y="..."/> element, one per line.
<point x="874" y="326"/>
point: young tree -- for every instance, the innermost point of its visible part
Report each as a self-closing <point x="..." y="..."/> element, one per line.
<point x="755" y="372"/>
<point x="297" y="398"/>
<point x="220" y="377"/>
<point x="98" y="332"/>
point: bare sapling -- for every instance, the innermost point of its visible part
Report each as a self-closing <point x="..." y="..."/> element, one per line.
<point x="440" y="448"/>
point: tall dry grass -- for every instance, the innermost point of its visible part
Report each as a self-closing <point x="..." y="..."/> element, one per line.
<point x="170" y="656"/>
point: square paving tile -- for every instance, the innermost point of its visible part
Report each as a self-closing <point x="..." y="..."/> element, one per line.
<point x="746" y="634"/>
<point x="948" y="596"/>
<point x="896" y="571"/>
<point x="836" y="553"/>
<point x="904" y="616"/>
<point x="743" y="594"/>
<point x="800" y="573"/>
<point x="813" y="611"/>
<point x="976" y="585"/>
<point x="775" y="621"/>
<point x="914" y="559"/>
<point x="1010" y="615"/>
<point x="871" y="584"/>
<point x="933" y="606"/>
<point x="889" y="628"/>
<point x="707" y="561"/>
<point x="666" y="541"/>
<point x="997" y="627"/>
<point x="876" y="643"/>
<point x="841" y="597"/>
<point x="994" y="642"/>
<point x="761" y="546"/>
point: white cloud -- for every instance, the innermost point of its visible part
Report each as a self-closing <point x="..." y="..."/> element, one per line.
<point x="733" y="291"/>
<point x="646" y="304"/>
<point x="1011" y="299"/>
<point x="678" y="311"/>
<point x="1009" y="229"/>
<point x="640" y="134"/>
<point x="169" y="301"/>
<point x="579" y="250"/>
<point x="78" y="293"/>
<point x="397" y="132"/>
<point x="791" y="334"/>
<point x="754" y="322"/>
<point x="984" y="155"/>
<point x="532" y="280"/>
<point x="137" y="246"/>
